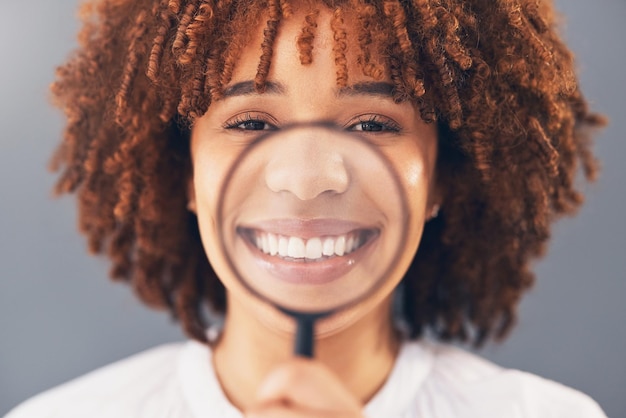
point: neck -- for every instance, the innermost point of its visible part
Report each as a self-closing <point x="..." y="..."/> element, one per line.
<point x="361" y="354"/>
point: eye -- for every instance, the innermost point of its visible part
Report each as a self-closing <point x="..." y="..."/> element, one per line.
<point x="374" y="124"/>
<point x="251" y="121"/>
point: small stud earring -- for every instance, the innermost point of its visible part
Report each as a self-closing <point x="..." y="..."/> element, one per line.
<point x="434" y="212"/>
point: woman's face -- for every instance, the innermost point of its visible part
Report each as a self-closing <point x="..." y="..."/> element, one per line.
<point x="313" y="230"/>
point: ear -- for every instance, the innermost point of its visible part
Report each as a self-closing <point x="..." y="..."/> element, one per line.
<point x="191" y="195"/>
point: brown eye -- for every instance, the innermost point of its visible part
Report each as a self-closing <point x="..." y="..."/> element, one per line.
<point x="374" y="124"/>
<point x="249" y="122"/>
<point x="253" y="125"/>
<point x="369" y="127"/>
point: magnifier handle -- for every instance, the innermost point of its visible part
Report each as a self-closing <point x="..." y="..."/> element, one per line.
<point x="304" y="336"/>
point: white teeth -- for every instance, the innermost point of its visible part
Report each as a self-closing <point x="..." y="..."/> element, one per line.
<point x="273" y="243"/>
<point x="328" y="248"/>
<point x="296" y="248"/>
<point x="312" y="249"/>
<point x="265" y="244"/>
<point x="350" y="244"/>
<point x="283" y="246"/>
<point x="340" y="245"/>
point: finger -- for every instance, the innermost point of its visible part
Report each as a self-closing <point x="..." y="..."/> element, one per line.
<point x="307" y="384"/>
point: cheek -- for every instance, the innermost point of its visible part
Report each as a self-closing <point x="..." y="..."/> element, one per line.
<point x="415" y="172"/>
<point x="209" y="172"/>
<point x="206" y="192"/>
<point x="211" y="166"/>
<point x="206" y="186"/>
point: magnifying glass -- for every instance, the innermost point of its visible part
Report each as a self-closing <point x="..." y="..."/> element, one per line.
<point x="312" y="220"/>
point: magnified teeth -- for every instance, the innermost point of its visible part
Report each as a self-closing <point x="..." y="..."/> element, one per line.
<point x="273" y="244"/>
<point x="265" y="244"/>
<point x="314" y="248"/>
<point x="328" y="248"/>
<point x="350" y="244"/>
<point x="283" y="246"/>
<point x="340" y="245"/>
<point x="296" y="248"/>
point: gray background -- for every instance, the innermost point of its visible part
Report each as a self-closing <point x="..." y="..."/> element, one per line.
<point x="60" y="317"/>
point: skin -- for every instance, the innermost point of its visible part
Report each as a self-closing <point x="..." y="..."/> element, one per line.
<point x="355" y="348"/>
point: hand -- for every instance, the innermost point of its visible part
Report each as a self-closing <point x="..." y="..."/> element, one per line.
<point x="303" y="388"/>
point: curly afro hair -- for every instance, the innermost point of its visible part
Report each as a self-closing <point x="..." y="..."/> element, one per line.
<point x="492" y="74"/>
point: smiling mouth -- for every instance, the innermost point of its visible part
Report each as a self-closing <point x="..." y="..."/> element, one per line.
<point x="313" y="249"/>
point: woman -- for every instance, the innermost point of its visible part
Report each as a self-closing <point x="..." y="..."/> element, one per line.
<point x="473" y="103"/>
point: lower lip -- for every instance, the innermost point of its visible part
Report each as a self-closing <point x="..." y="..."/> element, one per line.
<point x="306" y="271"/>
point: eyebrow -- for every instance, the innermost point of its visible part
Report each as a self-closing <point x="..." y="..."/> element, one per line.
<point x="246" y="88"/>
<point x="368" y="88"/>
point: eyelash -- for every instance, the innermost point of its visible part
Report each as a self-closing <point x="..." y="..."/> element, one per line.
<point x="385" y="124"/>
<point x="238" y="120"/>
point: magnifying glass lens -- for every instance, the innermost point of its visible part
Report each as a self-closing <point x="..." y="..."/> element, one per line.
<point x="312" y="219"/>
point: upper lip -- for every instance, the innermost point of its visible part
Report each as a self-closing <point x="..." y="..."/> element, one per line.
<point x="307" y="228"/>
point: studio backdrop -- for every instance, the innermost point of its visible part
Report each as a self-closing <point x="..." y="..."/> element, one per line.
<point x="61" y="317"/>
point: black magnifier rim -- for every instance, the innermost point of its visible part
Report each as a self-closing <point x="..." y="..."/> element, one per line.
<point x="220" y="217"/>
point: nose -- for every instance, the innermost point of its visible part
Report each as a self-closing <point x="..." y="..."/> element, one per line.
<point x="307" y="166"/>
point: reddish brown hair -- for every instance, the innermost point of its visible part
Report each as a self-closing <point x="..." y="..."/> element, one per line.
<point x="493" y="75"/>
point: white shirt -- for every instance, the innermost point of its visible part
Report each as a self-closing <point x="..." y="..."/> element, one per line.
<point x="428" y="380"/>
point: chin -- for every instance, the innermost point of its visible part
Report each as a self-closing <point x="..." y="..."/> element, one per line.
<point x="280" y="324"/>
